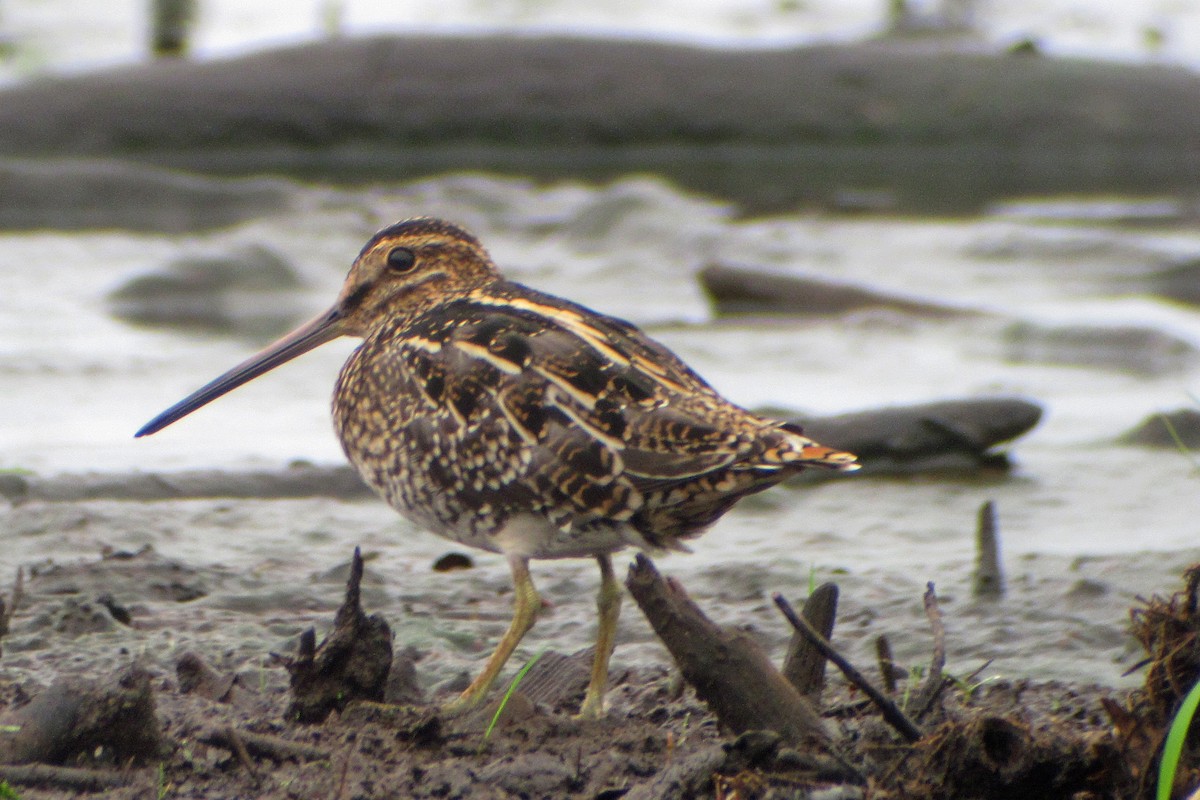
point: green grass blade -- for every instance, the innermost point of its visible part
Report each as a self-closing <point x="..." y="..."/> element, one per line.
<point x="508" y="693"/>
<point x="1173" y="748"/>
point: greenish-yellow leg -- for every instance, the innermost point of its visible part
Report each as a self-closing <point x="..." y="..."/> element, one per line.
<point x="527" y="603"/>
<point x="609" y="603"/>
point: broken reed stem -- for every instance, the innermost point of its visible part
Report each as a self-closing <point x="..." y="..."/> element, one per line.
<point x="989" y="573"/>
<point x="887" y="665"/>
<point x="890" y="711"/>
<point x="934" y="680"/>
<point x="7" y="610"/>
<point x="804" y="665"/>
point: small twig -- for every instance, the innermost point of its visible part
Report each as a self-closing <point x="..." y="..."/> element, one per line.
<point x="891" y="713"/>
<point x="264" y="745"/>
<point x="976" y="672"/>
<point x="934" y="680"/>
<point x="345" y="772"/>
<point x="887" y="665"/>
<point x="239" y="749"/>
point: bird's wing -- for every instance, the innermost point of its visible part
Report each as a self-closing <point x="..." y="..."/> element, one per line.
<point x="582" y="412"/>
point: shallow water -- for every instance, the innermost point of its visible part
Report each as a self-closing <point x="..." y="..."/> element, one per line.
<point x="78" y="383"/>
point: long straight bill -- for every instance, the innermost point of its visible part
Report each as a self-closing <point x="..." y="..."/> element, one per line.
<point x="310" y="335"/>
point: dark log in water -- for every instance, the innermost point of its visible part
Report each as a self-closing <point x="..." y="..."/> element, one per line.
<point x="1175" y="430"/>
<point x="746" y="291"/>
<point x="951" y="434"/>
<point x="70" y="193"/>
<point x="877" y="125"/>
<point x="295" y="481"/>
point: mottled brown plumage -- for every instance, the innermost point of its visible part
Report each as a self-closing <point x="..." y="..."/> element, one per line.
<point x="521" y="423"/>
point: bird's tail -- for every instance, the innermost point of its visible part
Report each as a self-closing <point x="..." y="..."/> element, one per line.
<point x="800" y="451"/>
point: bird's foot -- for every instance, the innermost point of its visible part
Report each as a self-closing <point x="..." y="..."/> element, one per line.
<point x="466" y="702"/>
<point x="591" y="709"/>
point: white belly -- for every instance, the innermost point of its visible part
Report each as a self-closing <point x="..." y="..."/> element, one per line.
<point x="531" y="536"/>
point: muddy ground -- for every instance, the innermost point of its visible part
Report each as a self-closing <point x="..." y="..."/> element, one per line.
<point x="193" y="658"/>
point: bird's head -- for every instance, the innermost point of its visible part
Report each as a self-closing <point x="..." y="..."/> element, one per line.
<point x="407" y="267"/>
<point x="402" y="270"/>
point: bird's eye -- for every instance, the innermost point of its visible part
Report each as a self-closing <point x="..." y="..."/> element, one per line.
<point x="401" y="259"/>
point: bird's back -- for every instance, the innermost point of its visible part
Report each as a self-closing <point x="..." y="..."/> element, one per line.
<point x="505" y="402"/>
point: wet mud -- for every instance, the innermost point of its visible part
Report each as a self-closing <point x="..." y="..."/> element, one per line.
<point x="120" y="677"/>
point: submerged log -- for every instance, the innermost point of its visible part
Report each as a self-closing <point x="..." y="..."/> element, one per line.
<point x="906" y="127"/>
<point x="295" y="481"/>
<point x="1135" y="349"/>
<point x="1178" y="429"/>
<point x="74" y="193"/>
<point x="742" y="290"/>
<point x="952" y="434"/>
<point x="728" y="670"/>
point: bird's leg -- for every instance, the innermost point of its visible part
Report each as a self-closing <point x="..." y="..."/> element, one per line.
<point x="609" y="604"/>
<point x="527" y="602"/>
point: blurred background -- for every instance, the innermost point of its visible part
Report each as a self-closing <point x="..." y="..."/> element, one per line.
<point x="985" y="199"/>
<point x="43" y="35"/>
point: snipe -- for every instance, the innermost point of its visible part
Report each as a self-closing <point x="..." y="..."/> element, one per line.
<point x="524" y="424"/>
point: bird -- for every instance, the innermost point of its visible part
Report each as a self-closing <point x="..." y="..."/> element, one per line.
<point x="520" y="423"/>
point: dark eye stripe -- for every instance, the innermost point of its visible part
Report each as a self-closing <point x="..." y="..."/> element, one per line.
<point x="355" y="298"/>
